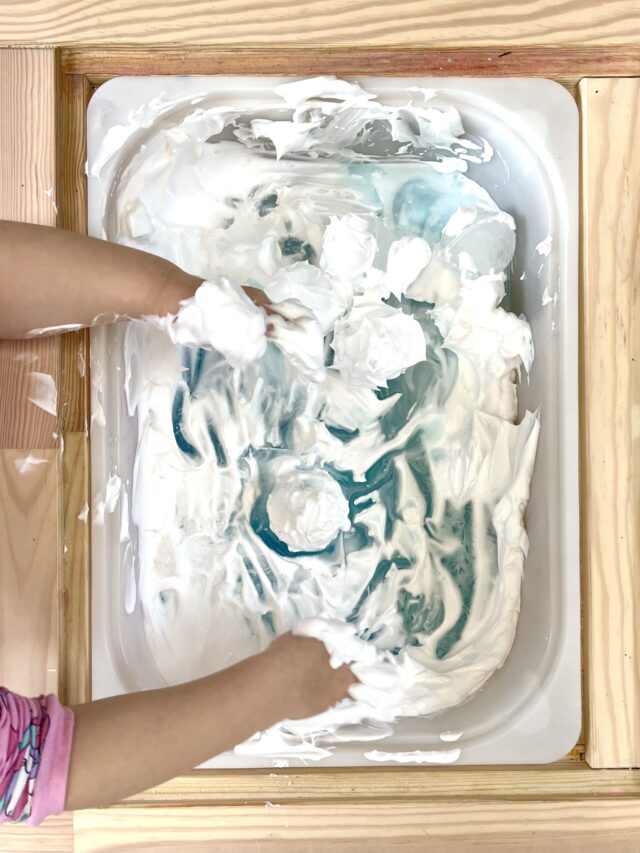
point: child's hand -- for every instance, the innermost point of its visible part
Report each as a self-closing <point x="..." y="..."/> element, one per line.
<point x="129" y="743"/>
<point x="258" y="297"/>
<point x="179" y="286"/>
<point x="308" y="682"/>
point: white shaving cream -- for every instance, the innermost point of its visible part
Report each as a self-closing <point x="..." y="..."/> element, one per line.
<point x="350" y="466"/>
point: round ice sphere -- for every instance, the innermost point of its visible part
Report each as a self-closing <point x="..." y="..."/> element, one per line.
<point x="422" y="206"/>
<point x="480" y="239"/>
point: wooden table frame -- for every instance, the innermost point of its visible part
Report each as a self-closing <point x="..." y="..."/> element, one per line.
<point x="588" y="801"/>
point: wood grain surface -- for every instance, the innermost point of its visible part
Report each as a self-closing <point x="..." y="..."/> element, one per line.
<point x="74" y="374"/>
<point x="28" y="80"/>
<point x="320" y="22"/>
<point x="611" y="416"/>
<point x="74" y="682"/>
<point x="55" y="835"/>
<point x="567" y="64"/>
<point x="22" y="423"/>
<point x="75" y="92"/>
<point x="29" y="547"/>
<point x="380" y="783"/>
<point x="29" y="508"/>
<point x="72" y="193"/>
<point x="476" y="826"/>
<point x="28" y="85"/>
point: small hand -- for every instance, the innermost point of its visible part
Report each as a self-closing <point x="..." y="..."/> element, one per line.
<point x="310" y="684"/>
<point x="180" y="286"/>
<point x="258" y="297"/>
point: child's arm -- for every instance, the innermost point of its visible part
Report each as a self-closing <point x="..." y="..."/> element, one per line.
<point x="50" y="277"/>
<point x="129" y="743"/>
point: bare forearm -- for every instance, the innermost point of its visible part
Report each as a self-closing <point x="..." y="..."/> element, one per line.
<point x="50" y="277"/>
<point x="129" y="743"/>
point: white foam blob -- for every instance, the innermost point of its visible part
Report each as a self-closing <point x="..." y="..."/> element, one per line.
<point x="307" y="510"/>
<point x="416" y="756"/>
<point x="375" y="343"/>
<point x="221" y="316"/>
<point x="42" y="392"/>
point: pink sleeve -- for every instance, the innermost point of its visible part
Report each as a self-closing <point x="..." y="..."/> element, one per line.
<point x="35" y="748"/>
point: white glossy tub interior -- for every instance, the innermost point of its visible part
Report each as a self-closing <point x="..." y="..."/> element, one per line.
<point x="529" y="711"/>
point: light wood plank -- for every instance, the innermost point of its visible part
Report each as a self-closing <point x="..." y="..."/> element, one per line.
<point x="29" y="547"/>
<point x="75" y="92"/>
<point x="74" y="682"/>
<point x="477" y="826"/>
<point x="321" y="22"/>
<point x="566" y="65"/>
<point x="23" y="424"/>
<point x="381" y="783"/>
<point x="28" y="80"/>
<point x="29" y="509"/>
<point x="55" y="835"/>
<point x="72" y="192"/>
<point x="74" y="378"/>
<point x="28" y="84"/>
<point x="611" y="417"/>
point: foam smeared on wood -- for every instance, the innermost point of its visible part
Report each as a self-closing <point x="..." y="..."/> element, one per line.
<point x="25" y="464"/>
<point x="42" y="392"/>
